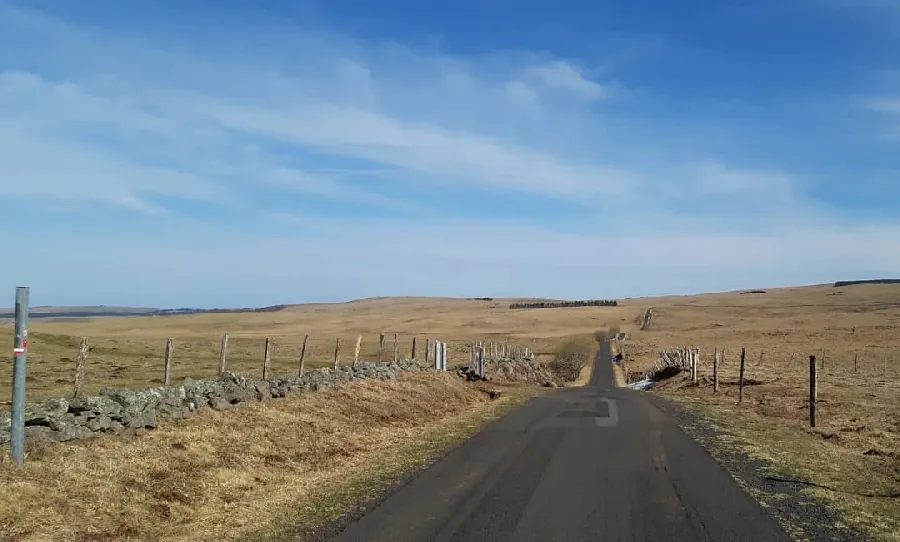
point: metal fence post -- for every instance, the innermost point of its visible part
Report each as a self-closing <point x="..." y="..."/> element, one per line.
<point x="20" y="350"/>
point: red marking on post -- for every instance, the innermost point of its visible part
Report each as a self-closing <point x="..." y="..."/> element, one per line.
<point x="25" y="343"/>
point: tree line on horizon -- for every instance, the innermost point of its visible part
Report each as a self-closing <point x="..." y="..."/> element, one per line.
<point x="561" y="304"/>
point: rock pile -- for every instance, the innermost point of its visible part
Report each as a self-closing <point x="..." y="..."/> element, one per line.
<point x="119" y="410"/>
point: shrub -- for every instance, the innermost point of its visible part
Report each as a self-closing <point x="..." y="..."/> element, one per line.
<point x="571" y="357"/>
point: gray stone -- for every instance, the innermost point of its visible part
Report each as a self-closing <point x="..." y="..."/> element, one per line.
<point x="100" y="423"/>
<point x="56" y="407"/>
<point x="219" y="403"/>
<point x="40" y="433"/>
<point x="115" y="427"/>
<point x="96" y="406"/>
<point x="72" y="432"/>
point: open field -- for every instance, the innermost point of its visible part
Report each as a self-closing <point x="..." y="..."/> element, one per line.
<point x="259" y="469"/>
<point x="853" y="330"/>
<point x="129" y="351"/>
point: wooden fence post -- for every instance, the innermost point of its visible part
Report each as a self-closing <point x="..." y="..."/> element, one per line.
<point x="167" y="371"/>
<point x="856" y="363"/>
<point x="380" y="347"/>
<point x="444" y="357"/>
<point x="427" y="350"/>
<point x="716" y="371"/>
<point x="222" y="353"/>
<point x="695" y="356"/>
<point x="413" y="354"/>
<point x="337" y="352"/>
<point x="741" y="381"/>
<point x="813" y="390"/>
<point x="80" y="362"/>
<point x="302" y="356"/>
<point x="395" y="348"/>
<point x="267" y="357"/>
<point x="356" y="350"/>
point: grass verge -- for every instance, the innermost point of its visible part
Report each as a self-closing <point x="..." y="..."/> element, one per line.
<point x="298" y="462"/>
<point x="864" y="490"/>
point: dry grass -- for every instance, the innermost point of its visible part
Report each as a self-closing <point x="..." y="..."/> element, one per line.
<point x="855" y="448"/>
<point x="305" y="459"/>
<point x="128" y="352"/>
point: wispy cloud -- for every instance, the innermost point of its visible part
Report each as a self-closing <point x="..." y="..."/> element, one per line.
<point x="343" y="161"/>
<point x="563" y="75"/>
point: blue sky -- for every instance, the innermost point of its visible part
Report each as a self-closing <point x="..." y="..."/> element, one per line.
<point x="209" y="153"/>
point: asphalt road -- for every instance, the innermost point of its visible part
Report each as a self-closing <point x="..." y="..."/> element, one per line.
<point x="591" y="463"/>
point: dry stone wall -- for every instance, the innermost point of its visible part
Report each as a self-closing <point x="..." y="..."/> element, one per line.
<point x="120" y="410"/>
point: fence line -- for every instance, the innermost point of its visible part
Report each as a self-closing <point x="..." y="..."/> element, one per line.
<point x="437" y="354"/>
<point x="688" y="360"/>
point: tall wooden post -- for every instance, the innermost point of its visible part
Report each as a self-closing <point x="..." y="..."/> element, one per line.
<point x="716" y="371"/>
<point x="741" y="380"/>
<point x="395" y="348"/>
<point x="302" y="356"/>
<point x="80" y="363"/>
<point x="356" y="351"/>
<point x="337" y="352"/>
<point x="813" y="390"/>
<point x="267" y="357"/>
<point x="222" y="354"/>
<point x="413" y="353"/>
<point x="167" y="369"/>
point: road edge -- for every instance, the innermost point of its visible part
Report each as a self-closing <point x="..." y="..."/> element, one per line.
<point x="803" y="517"/>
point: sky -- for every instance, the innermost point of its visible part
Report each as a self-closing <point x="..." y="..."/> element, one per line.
<point x="231" y="154"/>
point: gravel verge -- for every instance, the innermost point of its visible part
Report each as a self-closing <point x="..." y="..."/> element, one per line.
<point x="802" y="516"/>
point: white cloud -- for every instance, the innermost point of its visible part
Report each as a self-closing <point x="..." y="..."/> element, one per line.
<point x="563" y="75"/>
<point x="131" y="124"/>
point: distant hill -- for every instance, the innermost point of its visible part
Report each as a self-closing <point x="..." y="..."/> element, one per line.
<point x="102" y="311"/>
<point x="840" y="283"/>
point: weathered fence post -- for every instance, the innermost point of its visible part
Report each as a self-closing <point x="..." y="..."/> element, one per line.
<point x="813" y="390"/>
<point x="437" y="354"/>
<point x="267" y="357"/>
<point x="167" y="370"/>
<point x="80" y="363"/>
<point x="444" y="357"/>
<point x="697" y="366"/>
<point x="395" y="348"/>
<point x="302" y="356"/>
<point x="427" y="350"/>
<point x="380" y="346"/>
<point x="413" y="354"/>
<point x="337" y="352"/>
<point x="356" y="350"/>
<point x="222" y="353"/>
<point x="741" y="380"/>
<point x="716" y="371"/>
<point x="20" y="353"/>
<point x="695" y="362"/>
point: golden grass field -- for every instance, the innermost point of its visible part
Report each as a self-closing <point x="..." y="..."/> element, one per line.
<point x="129" y="352"/>
<point x="257" y="472"/>
<point x="855" y="330"/>
<point x="855" y="449"/>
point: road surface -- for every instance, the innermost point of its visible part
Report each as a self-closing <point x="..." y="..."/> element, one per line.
<point x="591" y="463"/>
